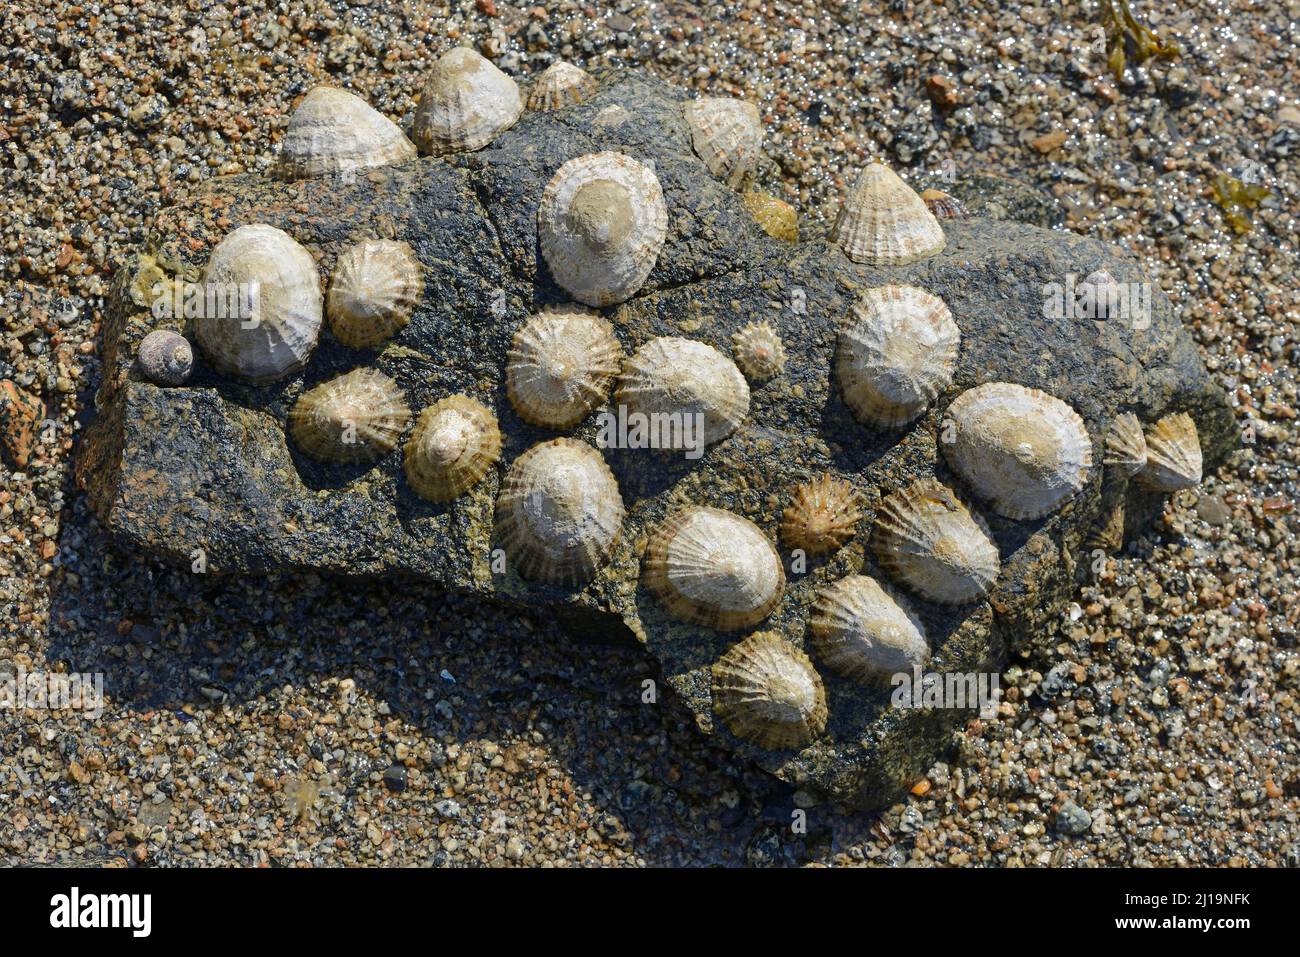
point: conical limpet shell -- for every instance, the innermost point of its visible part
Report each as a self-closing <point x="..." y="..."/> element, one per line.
<point x="758" y="351"/>
<point x="1126" y="445"/>
<point x="928" y="540"/>
<point x="453" y="445"/>
<point x="601" y="223"/>
<point x="376" y="285"/>
<point x="680" y="377"/>
<point x="277" y="289"/>
<point x="1023" y="450"/>
<point x="559" y="514"/>
<point x="561" y="84"/>
<point x="943" y="205"/>
<point x="896" y="354"/>
<point x="728" y="135"/>
<point x="884" y="223"/>
<point x="1173" y="454"/>
<point x="768" y="692"/>
<point x="560" y="367"/>
<point x="1099" y="296"/>
<point x="864" y="632"/>
<point x="333" y="131"/>
<point x="775" y="217"/>
<point x="711" y="567"/>
<point x="165" y="358"/>
<point x="357" y="417"/>
<point x="822" y="515"/>
<point x="466" y="102"/>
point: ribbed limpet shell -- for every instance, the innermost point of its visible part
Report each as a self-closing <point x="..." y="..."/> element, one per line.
<point x="712" y="567"/>
<point x="767" y="692"/>
<point x="165" y="358"/>
<point x="1024" y="451"/>
<point x="822" y="515"/>
<point x="896" y="354"/>
<point x="466" y="102"/>
<point x="561" y="84"/>
<point x="928" y="540"/>
<point x="559" y="514"/>
<point x="601" y="223"/>
<point x="1126" y="445"/>
<point x="758" y="351"/>
<point x="864" y="632"/>
<point x="774" y="216"/>
<point x="356" y="417"/>
<point x="560" y="367"/>
<point x="1174" y="459"/>
<point x="278" y="289"/>
<point x="728" y="135"/>
<point x="376" y="285"/>
<point x="943" y="205"/>
<point x="333" y="131"/>
<point x="885" y="223"/>
<point x="454" y="444"/>
<point x="673" y="376"/>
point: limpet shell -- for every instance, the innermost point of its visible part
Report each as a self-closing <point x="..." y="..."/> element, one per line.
<point x="673" y="376"/>
<point x="864" y="632"/>
<point x="1174" y="459"/>
<point x="333" y="131"/>
<point x="943" y="205"/>
<point x="728" y="135"/>
<point x="714" y="568"/>
<point x="1024" y="451"/>
<point x="280" y="303"/>
<point x="376" y="285"/>
<point x="560" y="367"/>
<point x="356" y="417"/>
<point x="928" y="540"/>
<point x="561" y="84"/>
<point x="767" y="692"/>
<point x="774" y="216"/>
<point x="466" y="102"/>
<point x="885" y="223"/>
<point x="822" y="515"/>
<point x="896" y="354"/>
<point x="758" y="351"/>
<point x="1099" y="295"/>
<point x="453" y="445"/>
<point x="1126" y="445"/>
<point x="559" y="514"/>
<point x="601" y="224"/>
<point x="165" y="358"/>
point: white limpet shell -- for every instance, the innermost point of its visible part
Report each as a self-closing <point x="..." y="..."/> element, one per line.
<point x="356" y="417"/>
<point x="864" y="632"/>
<point x="674" y="376"/>
<point x="1099" y="295"/>
<point x="896" y="354"/>
<point x="1126" y="445"/>
<point x="885" y="223"/>
<point x="278" y="288"/>
<point x="561" y="84"/>
<point x="559" y="514"/>
<point x="466" y="102"/>
<point x="767" y="692"/>
<point x="728" y="135"/>
<point x="1174" y="459"/>
<point x="601" y="224"/>
<point x="928" y="540"/>
<point x="453" y="445"/>
<point x="561" y="365"/>
<point x="333" y="131"/>
<point x="711" y="567"/>
<point x="758" y="351"/>
<point x="1022" y="450"/>
<point x="376" y="285"/>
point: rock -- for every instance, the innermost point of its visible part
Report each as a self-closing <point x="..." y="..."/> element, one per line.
<point x="1072" y="819"/>
<point x="395" y="777"/>
<point x="206" y="466"/>
<point x="21" y="415"/>
<point x="1213" y="510"/>
<point x="1048" y="141"/>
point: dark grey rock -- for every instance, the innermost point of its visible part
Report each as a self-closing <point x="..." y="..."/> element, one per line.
<point x="1072" y="819"/>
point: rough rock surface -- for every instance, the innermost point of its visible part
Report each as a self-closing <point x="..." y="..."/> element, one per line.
<point x="206" y="468"/>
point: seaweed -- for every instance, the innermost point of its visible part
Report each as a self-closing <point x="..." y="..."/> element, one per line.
<point x="1125" y="36"/>
<point x="1235" y="197"/>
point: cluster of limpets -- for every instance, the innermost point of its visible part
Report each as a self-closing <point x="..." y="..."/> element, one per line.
<point x="602" y="222"/>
